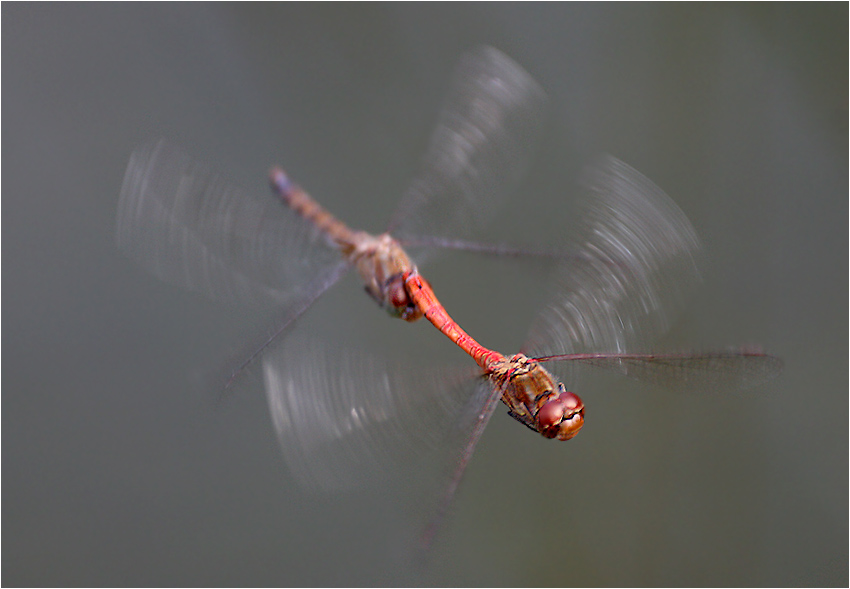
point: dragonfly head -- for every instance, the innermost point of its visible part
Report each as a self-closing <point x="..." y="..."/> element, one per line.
<point x="562" y="415"/>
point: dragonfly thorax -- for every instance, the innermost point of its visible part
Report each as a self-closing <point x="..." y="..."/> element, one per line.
<point x="382" y="263"/>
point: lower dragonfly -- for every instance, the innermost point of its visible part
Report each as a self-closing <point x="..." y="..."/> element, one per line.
<point x="635" y="256"/>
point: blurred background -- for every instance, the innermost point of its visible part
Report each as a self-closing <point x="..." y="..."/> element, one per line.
<point x="119" y="469"/>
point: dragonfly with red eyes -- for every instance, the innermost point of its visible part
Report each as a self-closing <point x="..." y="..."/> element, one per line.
<point x="634" y="256"/>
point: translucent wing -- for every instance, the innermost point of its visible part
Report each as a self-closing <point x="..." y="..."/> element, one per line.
<point x="482" y="145"/>
<point x="344" y="418"/>
<point x="688" y="371"/>
<point x="193" y="229"/>
<point x="477" y="416"/>
<point x="635" y="259"/>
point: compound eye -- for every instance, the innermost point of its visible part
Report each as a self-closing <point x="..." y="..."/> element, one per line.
<point x="398" y="301"/>
<point x="562" y="416"/>
<point x="396" y="294"/>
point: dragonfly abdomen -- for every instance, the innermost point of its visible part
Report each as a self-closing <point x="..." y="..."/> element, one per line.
<point x="302" y="203"/>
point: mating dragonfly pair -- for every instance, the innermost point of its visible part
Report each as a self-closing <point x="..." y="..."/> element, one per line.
<point x="634" y="257"/>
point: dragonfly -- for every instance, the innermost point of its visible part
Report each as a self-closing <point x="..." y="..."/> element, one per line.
<point x="343" y="417"/>
<point x="191" y="227"/>
<point x="621" y="284"/>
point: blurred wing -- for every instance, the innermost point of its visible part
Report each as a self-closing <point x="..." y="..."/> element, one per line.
<point x="193" y="229"/>
<point x="691" y="372"/>
<point x="481" y="147"/>
<point x="344" y="419"/>
<point x="635" y="260"/>
<point x="465" y="440"/>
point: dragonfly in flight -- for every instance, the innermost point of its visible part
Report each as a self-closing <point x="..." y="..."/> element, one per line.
<point x="633" y="258"/>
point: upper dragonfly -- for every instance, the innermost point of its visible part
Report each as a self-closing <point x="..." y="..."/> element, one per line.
<point x="194" y="229"/>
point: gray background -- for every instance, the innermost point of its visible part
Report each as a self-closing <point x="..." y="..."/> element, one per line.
<point x="119" y="470"/>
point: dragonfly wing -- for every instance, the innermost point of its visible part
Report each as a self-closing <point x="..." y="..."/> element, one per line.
<point x="344" y="418"/>
<point x="485" y="136"/>
<point x="689" y="371"/>
<point x="192" y="228"/>
<point x="467" y="433"/>
<point x="295" y="307"/>
<point x="634" y="261"/>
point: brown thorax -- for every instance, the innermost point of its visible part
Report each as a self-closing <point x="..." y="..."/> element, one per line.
<point x="382" y="262"/>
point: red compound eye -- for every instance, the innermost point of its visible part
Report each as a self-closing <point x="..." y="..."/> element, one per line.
<point x="561" y="417"/>
<point x="398" y="301"/>
<point x="396" y="294"/>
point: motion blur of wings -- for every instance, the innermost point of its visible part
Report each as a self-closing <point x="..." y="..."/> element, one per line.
<point x="346" y="417"/>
